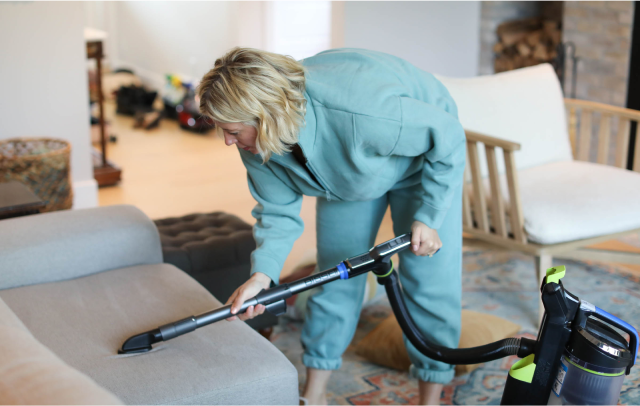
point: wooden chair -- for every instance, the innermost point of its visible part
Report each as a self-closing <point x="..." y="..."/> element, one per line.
<point x="530" y="186"/>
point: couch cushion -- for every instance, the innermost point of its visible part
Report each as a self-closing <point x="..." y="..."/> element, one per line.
<point x="523" y="105"/>
<point x="74" y="243"/>
<point x="8" y="318"/>
<point x="85" y="321"/>
<point x="384" y="345"/>
<point x="31" y="374"/>
<point x="567" y="201"/>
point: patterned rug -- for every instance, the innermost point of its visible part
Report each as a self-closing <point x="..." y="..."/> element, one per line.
<point x="496" y="282"/>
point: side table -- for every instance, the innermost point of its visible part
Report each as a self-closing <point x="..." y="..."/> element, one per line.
<point x="17" y="200"/>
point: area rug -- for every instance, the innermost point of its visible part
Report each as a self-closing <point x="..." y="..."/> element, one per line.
<point x="496" y="282"/>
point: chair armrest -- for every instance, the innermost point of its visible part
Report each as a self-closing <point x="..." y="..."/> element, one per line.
<point x="475" y="214"/>
<point x="620" y="116"/>
<point x="69" y="244"/>
<point x="492" y="141"/>
<point x="602" y="107"/>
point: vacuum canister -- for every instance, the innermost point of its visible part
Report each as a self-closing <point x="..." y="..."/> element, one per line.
<point x="592" y="368"/>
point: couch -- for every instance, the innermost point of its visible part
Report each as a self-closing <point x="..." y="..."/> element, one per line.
<point x="75" y="284"/>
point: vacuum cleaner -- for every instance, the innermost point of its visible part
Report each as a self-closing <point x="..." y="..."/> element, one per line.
<point x="577" y="358"/>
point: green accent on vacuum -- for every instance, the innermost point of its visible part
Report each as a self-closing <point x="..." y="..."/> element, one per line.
<point x="388" y="273"/>
<point x="524" y="369"/>
<point x="556" y="273"/>
<point x="593" y="372"/>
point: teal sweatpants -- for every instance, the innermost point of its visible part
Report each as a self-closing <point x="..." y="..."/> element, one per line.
<point x="432" y="286"/>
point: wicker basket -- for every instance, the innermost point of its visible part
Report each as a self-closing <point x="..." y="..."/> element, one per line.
<point x="42" y="164"/>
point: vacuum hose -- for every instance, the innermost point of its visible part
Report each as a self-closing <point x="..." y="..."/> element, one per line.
<point x="375" y="260"/>
<point x="476" y="355"/>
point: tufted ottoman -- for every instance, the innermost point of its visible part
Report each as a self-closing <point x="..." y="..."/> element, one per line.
<point x="215" y="250"/>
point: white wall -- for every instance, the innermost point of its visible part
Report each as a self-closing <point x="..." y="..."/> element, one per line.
<point x="185" y="38"/>
<point x="299" y="29"/>
<point x="44" y="82"/>
<point x="439" y="37"/>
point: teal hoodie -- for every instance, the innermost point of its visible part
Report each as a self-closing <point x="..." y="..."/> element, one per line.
<point x="374" y="123"/>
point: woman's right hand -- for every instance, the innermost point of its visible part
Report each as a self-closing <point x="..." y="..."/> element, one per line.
<point x="249" y="289"/>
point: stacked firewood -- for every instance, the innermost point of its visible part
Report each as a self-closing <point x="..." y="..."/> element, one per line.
<point x="526" y="43"/>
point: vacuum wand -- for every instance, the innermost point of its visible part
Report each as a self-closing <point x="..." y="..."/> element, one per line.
<point x="273" y="299"/>
<point x="142" y="342"/>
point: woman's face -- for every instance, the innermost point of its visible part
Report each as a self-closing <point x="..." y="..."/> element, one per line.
<point x="242" y="135"/>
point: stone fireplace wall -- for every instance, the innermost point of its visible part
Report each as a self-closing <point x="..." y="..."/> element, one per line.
<point x="494" y="13"/>
<point x="601" y="31"/>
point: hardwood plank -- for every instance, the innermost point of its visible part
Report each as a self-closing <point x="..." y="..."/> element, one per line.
<point x="636" y="150"/>
<point x="585" y="135"/>
<point x="493" y="141"/>
<point x="573" y="130"/>
<point x="622" y="143"/>
<point x="603" y="138"/>
<point x="467" y="219"/>
<point x="601" y="107"/>
<point x="584" y="254"/>
<point x="497" y="203"/>
<point x="480" y="205"/>
<point x="615" y="245"/>
<point x="516" y="218"/>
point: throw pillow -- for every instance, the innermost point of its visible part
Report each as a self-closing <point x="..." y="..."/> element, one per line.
<point x="384" y="345"/>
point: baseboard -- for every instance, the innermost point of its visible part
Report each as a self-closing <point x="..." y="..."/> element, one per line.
<point x="85" y="194"/>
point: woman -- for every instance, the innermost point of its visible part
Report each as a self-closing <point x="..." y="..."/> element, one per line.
<point x="359" y="130"/>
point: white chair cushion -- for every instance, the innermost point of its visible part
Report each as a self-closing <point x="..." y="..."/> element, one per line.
<point x="524" y="106"/>
<point x="568" y="201"/>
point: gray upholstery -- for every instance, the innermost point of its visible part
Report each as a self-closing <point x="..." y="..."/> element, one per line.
<point x="31" y="374"/>
<point x="69" y="244"/>
<point x="85" y="320"/>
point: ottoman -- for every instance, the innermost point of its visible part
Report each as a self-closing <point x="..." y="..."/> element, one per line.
<point x="214" y="249"/>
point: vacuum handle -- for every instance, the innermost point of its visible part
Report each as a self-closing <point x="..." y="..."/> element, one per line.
<point x="624" y="326"/>
<point x="265" y="297"/>
<point x="388" y="248"/>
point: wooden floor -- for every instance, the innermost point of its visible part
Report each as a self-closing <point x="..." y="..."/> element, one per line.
<point x="171" y="172"/>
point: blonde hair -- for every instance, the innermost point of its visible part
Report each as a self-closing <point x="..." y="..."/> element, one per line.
<point x="257" y="88"/>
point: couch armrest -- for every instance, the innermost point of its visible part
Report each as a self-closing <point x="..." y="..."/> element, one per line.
<point x="69" y="244"/>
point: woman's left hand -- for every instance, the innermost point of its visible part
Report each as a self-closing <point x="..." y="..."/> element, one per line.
<point x="424" y="240"/>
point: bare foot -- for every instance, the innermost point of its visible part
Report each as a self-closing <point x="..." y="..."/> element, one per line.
<point x="315" y="389"/>
<point x="429" y="392"/>
<point x="319" y="400"/>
